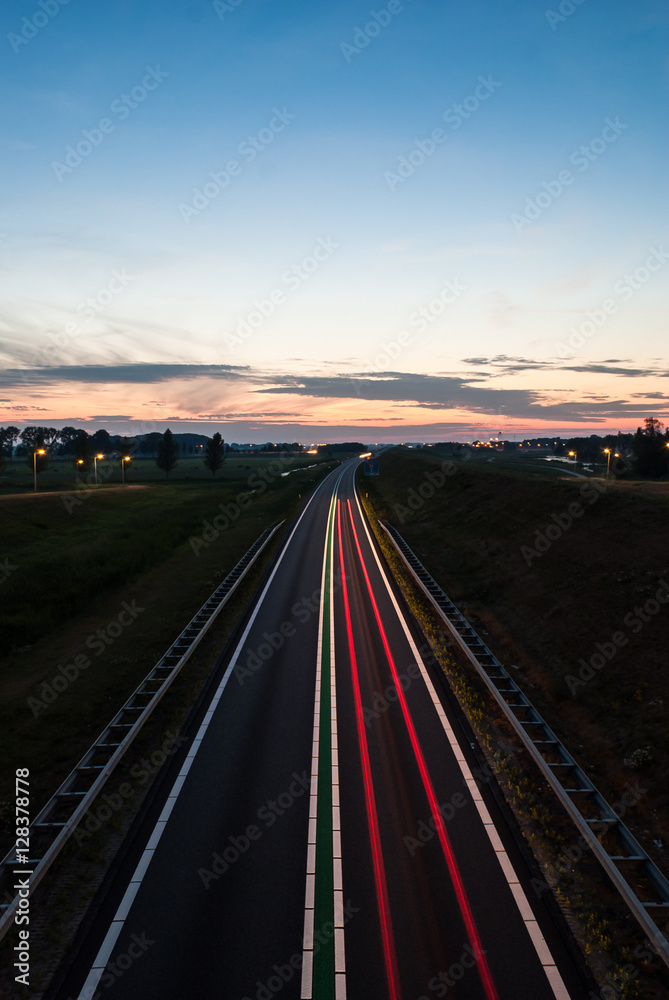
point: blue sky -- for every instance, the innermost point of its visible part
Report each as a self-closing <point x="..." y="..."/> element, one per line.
<point x="285" y="299"/>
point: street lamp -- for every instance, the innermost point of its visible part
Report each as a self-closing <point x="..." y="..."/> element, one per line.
<point x="573" y="454"/>
<point x="124" y="459"/>
<point x="607" y="452"/>
<point x="95" y="463"/>
<point x="40" y="451"/>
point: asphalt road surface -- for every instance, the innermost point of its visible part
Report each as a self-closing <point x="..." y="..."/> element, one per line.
<point x="320" y="834"/>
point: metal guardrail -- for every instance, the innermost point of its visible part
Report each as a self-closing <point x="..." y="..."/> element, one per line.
<point x="56" y="822"/>
<point x="618" y="851"/>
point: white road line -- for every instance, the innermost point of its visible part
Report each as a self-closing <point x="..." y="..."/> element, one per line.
<point x="306" y="992"/>
<point x="543" y="952"/>
<point x="116" y="926"/>
<point x="340" y="955"/>
<point x="310" y="890"/>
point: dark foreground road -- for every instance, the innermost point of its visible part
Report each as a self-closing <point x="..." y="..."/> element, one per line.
<point x="321" y="834"/>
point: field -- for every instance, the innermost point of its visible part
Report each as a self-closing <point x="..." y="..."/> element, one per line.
<point x="560" y="575"/>
<point x="63" y="474"/>
<point x="71" y="568"/>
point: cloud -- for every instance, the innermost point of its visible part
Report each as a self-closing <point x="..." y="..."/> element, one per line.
<point x="435" y="392"/>
<point x="129" y="373"/>
<point x="510" y="365"/>
<point x="248" y="416"/>
<point x="39" y="408"/>
<point x="194" y="388"/>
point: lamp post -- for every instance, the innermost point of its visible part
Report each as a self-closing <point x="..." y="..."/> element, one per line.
<point x="124" y="459"/>
<point x="607" y="452"/>
<point x="40" y="451"/>
<point x="95" y="463"/>
<point x="575" y="457"/>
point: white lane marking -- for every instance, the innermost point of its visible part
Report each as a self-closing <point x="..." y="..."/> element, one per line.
<point x="310" y="891"/>
<point x="116" y="926"/>
<point x="307" y="986"/>
<point x="340" y="955"/>
<point x="543" y="951"/>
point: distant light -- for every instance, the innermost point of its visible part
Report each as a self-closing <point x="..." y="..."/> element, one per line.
<point x="312" y="451"/>
<point x="99" y="456"/>
<point x="366" y="454"/>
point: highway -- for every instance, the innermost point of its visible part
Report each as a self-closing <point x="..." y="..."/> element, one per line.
<point x="320" y="834"/>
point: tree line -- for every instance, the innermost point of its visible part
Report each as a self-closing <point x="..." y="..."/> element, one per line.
<point x="649" y="448"/>
<point x="82" y="447"/>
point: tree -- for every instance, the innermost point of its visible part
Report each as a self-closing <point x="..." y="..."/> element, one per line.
<point x="150" y="443"/>
<point x="214" y="454"/>
<point x="8" y="437"/>
<point x="82" y="450"/>
<point x="125" y="447"/>
<point x="31" y="435"/>
<point x="650" y="448"/>
<point x="67" y="438"/>
<point x="35" y="443"/>
<point x="167" y="453"/>
<point x="101" y="442"/>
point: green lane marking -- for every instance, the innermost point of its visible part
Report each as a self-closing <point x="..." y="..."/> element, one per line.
<point x="324" y="951"/>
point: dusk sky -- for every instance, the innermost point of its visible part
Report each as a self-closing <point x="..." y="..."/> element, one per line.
<point x="300" y="221"/>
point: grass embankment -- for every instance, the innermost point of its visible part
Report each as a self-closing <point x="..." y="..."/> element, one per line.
<point x="541" y="614"/>
<point x="74" y="575"/>
<point x="16" y="477"/>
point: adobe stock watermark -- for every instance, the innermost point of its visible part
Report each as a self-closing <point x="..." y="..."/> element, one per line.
<point x="302" y="610"/>
<point x="7" y="567"/>
<point x="378" y="20"/>
<point x="97" y="642"/>
<point x="581" y="158"/>
<point x="94" y="304"/>
<point x="572" y="855"/>
<point x="283" y="974"/>
<point x="292" y="279"/>
<point x="248" y="149"/>
<point x="420" y="320"/>
<point x="565" y="9"/>
<point x="625" y="288"/>
<point x="605" y="651"/>
<point x="416" y="498"/>
<point x="91" y="307"/>
<point x="86" y="489"/>
<point x="107" y="804"/>
<point x="256" y="484"/>
<point x="382" y="700"/>
<point x="31" y="26"/>
<point x="139" y="945"/>
<point x="545" y="537"/>
<point x="121" y="107"/>
<point x="427" y="829"/>
<point x="268" y="814"/>
<point x="440" y="984"/>
<point x="222" y="8"/>
<point x="454" y="116"/>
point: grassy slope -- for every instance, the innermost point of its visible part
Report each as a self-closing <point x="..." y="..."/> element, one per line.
<point x="543" y="617"/>
<point x="74" y="573"/>
<point x="17" y="476"/>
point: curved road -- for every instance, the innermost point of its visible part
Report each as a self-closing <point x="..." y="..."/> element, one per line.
<point x="321" y="834"/>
